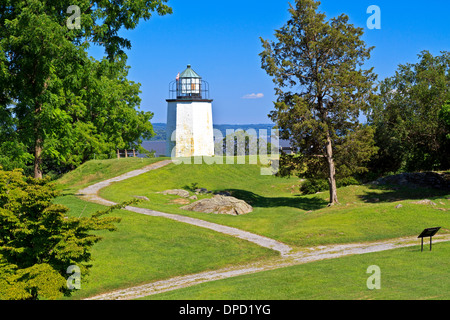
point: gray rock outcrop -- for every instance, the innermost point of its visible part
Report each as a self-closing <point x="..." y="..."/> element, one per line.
<point x="417" y="179"/>
<point x="220" y="204"/>
<point x="426" y="201"/>
<point x="177" y="192"/>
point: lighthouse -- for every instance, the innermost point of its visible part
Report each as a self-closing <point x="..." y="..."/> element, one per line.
<point x="189" y="117"/>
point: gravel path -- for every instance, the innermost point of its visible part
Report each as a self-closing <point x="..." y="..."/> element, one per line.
<point x="91" y="194"/>
<point x="287" y="256"/>
<point x="306" y="256"/>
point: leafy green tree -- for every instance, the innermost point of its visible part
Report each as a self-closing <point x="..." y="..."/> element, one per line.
<point x="38" y="241"/>
<point x="322" y="89"/>
<point x="97" y="121"/>
<point x="59" y="95"/>
<point x="444" y="115"/>
<point x="410" y="118"/>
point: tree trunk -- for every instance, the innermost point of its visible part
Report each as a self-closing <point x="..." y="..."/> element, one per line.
<point x="331" y="172"/>
<point x="37" y="144"/>
<point x="38" y="159"/>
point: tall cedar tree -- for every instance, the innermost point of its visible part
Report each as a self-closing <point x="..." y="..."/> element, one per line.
<point x="316" y="66"/>
<point x="47" y="81"/>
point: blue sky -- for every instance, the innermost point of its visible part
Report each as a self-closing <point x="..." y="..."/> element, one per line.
<point x="220" y="39"/>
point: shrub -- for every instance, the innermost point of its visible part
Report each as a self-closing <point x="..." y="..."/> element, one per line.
<point x="38" y="241"/>
<point x="349" y="181"/>
<point x="312" y="186"/>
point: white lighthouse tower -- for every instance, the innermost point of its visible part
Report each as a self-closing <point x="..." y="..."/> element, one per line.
<point x="189" y="117"/>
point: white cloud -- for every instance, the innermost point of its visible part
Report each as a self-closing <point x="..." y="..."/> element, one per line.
<point x="253" y="96"/>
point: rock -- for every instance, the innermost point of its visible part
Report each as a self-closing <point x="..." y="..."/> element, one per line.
<point x="220" y="205"/>
<point x="399" y="206"/>
<point x="417" y="179"/>
<point x="201" y="191"/>
<point x="182" y="201"/>
<point x="142" y="198"/>
<point x="425" y="201"/>
<point x="177" y="192"/>
<point x="194" y="197"/>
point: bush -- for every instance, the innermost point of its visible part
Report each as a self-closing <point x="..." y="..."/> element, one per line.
<point x="349" y="181"/>
<point x="38" y="241"/>
<point x="312" y="186"/>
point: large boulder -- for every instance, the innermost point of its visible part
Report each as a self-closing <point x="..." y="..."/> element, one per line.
<point x="220" y="204"/>
<point x="418" y="179"/>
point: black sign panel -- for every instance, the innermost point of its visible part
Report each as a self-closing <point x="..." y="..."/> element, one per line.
<point x="430" y="232"/>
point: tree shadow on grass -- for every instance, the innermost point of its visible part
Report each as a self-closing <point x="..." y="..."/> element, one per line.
<point x="256" y="200"/>
<point x="393" y="193"/>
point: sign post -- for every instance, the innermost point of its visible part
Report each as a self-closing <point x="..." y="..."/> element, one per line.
<point x="430" y="232"/>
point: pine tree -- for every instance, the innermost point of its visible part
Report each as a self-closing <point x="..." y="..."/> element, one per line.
<point x="38" y="241"/>
<point x="322" y="89"/>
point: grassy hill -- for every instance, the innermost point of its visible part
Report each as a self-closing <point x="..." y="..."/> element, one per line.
<point x="366" y="213"/>
<point x="95" y="171"/>
<point x="146" y="249"/>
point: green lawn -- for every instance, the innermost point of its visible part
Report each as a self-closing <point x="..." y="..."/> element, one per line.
<point x="406" y="274"/>
<point x="146" y="249"/>
<point x="280" y="212"/>
<point x="95" y="171"/>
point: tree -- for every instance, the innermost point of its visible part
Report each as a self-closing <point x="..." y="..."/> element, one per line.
<point x="409" y="116"/>
<point x="242" y="143"/>
<point x="45" y="72"/>
<point x="98" y="120"/>
<point x="321" y="87"/>
<point x="38" y="241"/>
<point x="444" y="115"/>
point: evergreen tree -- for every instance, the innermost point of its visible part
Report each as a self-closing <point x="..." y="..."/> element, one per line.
<point x="316" y="65"/>
<point x="38" y="241"/>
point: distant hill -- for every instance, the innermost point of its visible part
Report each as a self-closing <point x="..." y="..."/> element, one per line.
<point x="160" y="129"/>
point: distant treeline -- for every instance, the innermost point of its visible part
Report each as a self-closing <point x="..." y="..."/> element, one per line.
<point x="160" y="129"/>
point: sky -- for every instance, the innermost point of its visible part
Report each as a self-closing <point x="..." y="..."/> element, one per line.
<point x="221" y="40"/>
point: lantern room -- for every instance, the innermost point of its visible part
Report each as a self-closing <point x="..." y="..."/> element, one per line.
<point x="189" y="86"/>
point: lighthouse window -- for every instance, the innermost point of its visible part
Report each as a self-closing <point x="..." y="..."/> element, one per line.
<point x="187" y="87"/>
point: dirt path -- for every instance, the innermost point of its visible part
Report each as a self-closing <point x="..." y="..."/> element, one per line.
<point x="287" y="256"/>
<point x="306" y="256"/>
<point x="91" y="194"/>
